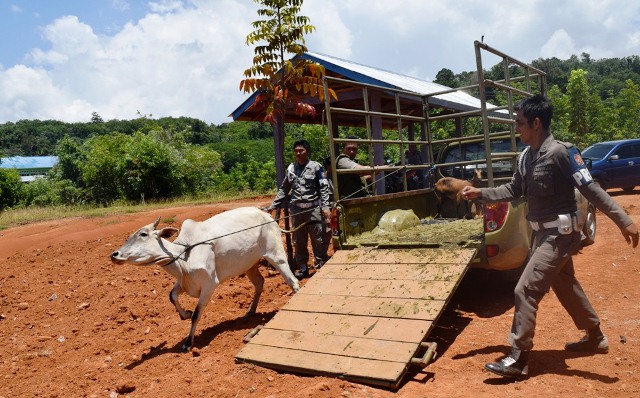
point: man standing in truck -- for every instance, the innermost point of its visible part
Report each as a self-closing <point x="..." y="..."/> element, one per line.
<point x="310" y="208"/>
<point x="351" y="185"/>
<point x="547" y="172"/>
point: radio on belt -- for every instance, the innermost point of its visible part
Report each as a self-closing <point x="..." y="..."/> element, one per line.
<point x="565" y="225"/>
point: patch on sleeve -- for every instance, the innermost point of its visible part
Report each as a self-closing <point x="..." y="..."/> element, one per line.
<point x="322" y="176"/>
<point x="579" y="171"/>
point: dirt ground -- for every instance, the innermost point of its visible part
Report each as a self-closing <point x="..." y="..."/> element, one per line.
<point x="72" y="324"/>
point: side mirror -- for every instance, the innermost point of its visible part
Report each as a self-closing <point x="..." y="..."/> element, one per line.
<point x="614" y="157"/>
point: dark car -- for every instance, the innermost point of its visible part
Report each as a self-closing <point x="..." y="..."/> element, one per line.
<point x="615" y="164"/>
<point x="474" y="149"/>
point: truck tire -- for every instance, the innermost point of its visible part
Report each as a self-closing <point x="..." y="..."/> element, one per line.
<point x="589" y="228"/>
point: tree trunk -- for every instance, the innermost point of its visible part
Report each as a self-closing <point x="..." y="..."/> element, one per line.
<point x="278" y="142"/>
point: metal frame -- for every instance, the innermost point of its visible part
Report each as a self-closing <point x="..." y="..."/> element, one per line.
<point x="534" y="80"/>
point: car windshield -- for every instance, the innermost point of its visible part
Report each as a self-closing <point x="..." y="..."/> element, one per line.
<point x="597" y="151"/>
<point x="474" y="151"/>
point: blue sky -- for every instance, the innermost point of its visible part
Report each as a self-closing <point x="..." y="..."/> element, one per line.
<point x="64" y="59"/>
<point x="23" y="20"/>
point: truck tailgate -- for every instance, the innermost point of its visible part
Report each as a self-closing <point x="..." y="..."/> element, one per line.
<point x="363" y="316"/>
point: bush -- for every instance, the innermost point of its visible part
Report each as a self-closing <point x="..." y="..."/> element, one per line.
<point x="249" y="176"/>
<point x="11" y="188"/>
<point x="51" y="192"/>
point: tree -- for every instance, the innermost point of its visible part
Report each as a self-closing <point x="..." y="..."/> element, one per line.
<point x="281" y="82"/>
<point x="96" y="118"/>
<point x="103" y="171"/>
<point x="560" y="121"/>
<point x="70" y="157"/>
<point x="629" y="110"/>
<point x="446" y="77"/>
<point x="578" y="94"/>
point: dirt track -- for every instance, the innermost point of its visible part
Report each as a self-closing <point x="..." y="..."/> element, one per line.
<point x="73" y="324"/>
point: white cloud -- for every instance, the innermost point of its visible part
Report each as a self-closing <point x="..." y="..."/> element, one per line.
<point x="29" y="93"/>
<point x="69" y="38"/>
<point x="332" y="35"/>
<point x="559" y="45"/>
<point x="165" y="6"/>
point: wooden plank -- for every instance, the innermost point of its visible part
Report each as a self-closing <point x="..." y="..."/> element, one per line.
<point x="410" y="289"/>
<point x="407" y="330"/>
<point x="403" y="256"/>
<point x="391" y="271"/>
<point x="372" y="306"/>
<point x="354" y="347"/>
<point x="383" y="373"/>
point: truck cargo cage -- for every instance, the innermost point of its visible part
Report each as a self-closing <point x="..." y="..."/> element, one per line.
<point x="391" y="119"/>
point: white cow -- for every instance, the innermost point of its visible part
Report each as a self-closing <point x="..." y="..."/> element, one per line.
<point x="208" y="253"/>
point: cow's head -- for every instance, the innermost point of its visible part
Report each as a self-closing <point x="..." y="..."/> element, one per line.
<point x="146" y="247"/>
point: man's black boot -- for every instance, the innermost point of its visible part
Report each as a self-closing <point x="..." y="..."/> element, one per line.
<point x="594" y="342"/>
<point x="513" y="365"/>
<point x="300" y="274"/>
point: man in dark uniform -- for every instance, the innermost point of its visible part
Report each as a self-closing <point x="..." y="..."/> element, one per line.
<point x="309" y="187"/>
<point x="547" y="172"/>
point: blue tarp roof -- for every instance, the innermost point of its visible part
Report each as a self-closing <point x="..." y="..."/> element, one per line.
<point x="367" y="74"/>
<point x="459" y="101"/>
<point x="28" y="162"/>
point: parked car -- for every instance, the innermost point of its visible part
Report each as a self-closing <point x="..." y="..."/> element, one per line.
<point x="508" y="235"/>
<point x="615" y="164"/>
<point x="474" y="149"/>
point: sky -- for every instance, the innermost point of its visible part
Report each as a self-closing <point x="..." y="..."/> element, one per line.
<point x="65" y="59"/>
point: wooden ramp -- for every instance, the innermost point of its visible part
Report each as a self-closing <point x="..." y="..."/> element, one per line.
<point x="363" y="316"/>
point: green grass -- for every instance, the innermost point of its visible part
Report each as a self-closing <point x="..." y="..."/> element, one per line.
<point x="21" y="216"/>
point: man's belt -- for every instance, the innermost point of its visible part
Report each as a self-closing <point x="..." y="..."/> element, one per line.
<point x="564" y="223"/>
<point x="306" y="205"/>
<point x="536" y="225"/>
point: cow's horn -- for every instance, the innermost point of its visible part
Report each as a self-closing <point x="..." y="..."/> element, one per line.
<point x="155" y="224"/>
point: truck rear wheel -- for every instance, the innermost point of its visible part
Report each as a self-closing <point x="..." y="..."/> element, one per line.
<point x="589" y="228"/>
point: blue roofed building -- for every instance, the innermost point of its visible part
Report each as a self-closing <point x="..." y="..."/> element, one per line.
<point x="29" y="167"/>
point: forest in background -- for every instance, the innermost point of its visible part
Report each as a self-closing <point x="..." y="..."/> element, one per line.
<point x="103" y="162"/>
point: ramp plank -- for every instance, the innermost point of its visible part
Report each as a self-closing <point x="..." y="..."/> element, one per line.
<point x="408" y="330"/>
<point x="383" y="373"/>
<point x="411" y="289"/>
<point x="372" y="306"/>
<point x="366" y="348"/>
<point x="401" y="256"/>
<point x="392" y="271"/>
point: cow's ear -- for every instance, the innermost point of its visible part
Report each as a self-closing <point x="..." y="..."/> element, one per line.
<point x="167" y="232"/>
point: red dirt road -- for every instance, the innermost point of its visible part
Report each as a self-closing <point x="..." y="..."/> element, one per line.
<point x="73" y="324"/>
